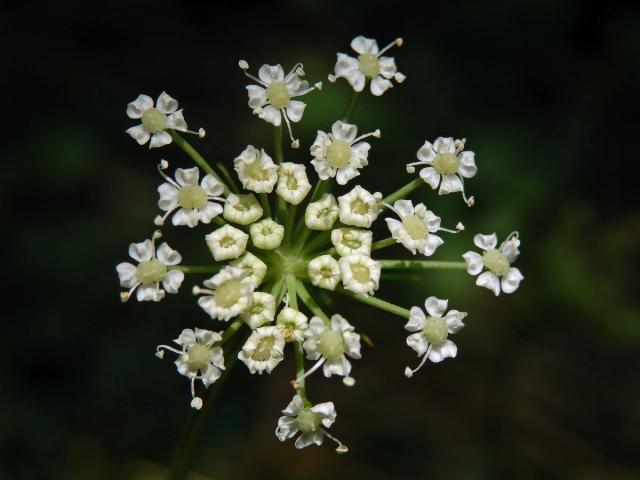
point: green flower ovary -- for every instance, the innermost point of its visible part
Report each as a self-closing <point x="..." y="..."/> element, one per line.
<point x="199" y="356"/>
<point x="496" y="262"/>
<point x="228" y="293"/>
<point x="415" y="227"/>
<point x="359" y="207"/>
<point x="308" y="421"/>
<point x="339" y="153"/>
<point x="446" y="163"/>
<point x="262" y="352"/>
<point x="331" y="345"/>
<point x="369" y="64"/>
<point x="192" y="196"/>
<point x="435" y="331"/>
<point x="278" y="95"/>
<point x="151" y="271"/>
<point x="360" y="273"/>
<point x="154" y="121"/>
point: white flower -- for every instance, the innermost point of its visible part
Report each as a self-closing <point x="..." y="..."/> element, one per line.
<point x="369" y="64"/>
<point x="264" y="349"/>
<point x="255" y="268"/>
<point x="256" y="170"/>
<point x="430" y="340"/>
<point x="322" y="214"/>
<point x="359" y="208"/>
<point x="242" y="209"/>
<point x="266" y="234"/>
<point x="262" y="310"/>
<point x="227" y="242"/>
<point x="348" y="241"/>
<point x="294" y="323"/>
<point x="324" y="272"/>
<point x="150" y="271"/>
<point x="498" y="262"/>
<point x="199" y="359"/>
<point x="340" y="154"/>
<point x="360" y="273"/>
<point x="156" y="120"/>
<point x="331" y="344"/>
<point x="447" y="164"/>
<point x="309" y="422"/>
<point x="194" y="201"/>
<point x="293" y="184"/>
<point x="228" y="293"/>
<point x="272" y="99"/>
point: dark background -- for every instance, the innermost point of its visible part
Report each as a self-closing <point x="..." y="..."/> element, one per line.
<point x="547" y="381"/>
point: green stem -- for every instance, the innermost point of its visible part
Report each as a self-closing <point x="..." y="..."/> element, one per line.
<point x="197" y="268"/>
<point x="195" y="156"/>
<point x="302" y="391"/>
<point x="310" y="302"/>
<point x="227" y="176"/>
<point x="277" y="144"/>
<point x="422" y="264"/>
<point x="264" y="201"/>
<point x="351" y="106"/>
<point x="376" y="302"/>
<point x="402" y="192"/>
<point x="316" y="242"/>
<point x="383" y="243"/>
<point x="291" y="290"/>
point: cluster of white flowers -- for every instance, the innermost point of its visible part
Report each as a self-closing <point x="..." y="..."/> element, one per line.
<point x="275" y="258"/>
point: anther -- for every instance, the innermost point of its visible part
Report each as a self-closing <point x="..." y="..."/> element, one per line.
<point x="411" y="169"/>
<point x="300" y="71"/>
<point x="163" y="164"/>
<point x="349" y="381"/>
<point x="159" y="221"/>
<point x="408" y="372"/>
<point x="195" y="290"/>
<point x="196" y="403"/>
<point x="295" y="144"/>
<point x="156" y="235"/>
<point x="377" y="133"/>
<point x="201" y="132"/>
<point x="399" y="41"/>
<point x="243" y="64"/>
<point x="318" y="85"/>
<point x="124" y="296"/>
<point x="459" y="226"/>
<point x="342" y="449"/>
<point x="331" y="78"/>
<point x="400" y="77"/>
<point x="160" y="354"/>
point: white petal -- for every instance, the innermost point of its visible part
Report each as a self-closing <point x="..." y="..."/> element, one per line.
<point x="435" y="306"/>
<point x="511" y="280"/>
<point x="186" y="216"/>
<point x="126" y="274"/>
<point x="444" y="145"/>
<point x="139" y="134"/>
<point x="187" y="338"/>
<point x="271" y="115"/>
<point x="176" y="121"/>
<point x="327" y="411"/>
<point x="341" y="367"/>
<point x="379" y="85"/>
<point x="257" y="96"/>
<point x="295" y="110"/>
<point x="212" y="186"/>
<point x="345" y="65"/>
<point x="159" y="139"/>
<point x="364" y="45"/>
<point x="168" y="197"/>
<point x="485" y="242"/>
<point x="295" y="406"/>
<point x="136" y="108"/>
<point x="448" y="350"/>
<point x="404" y="207"/>
<point x="187" y="176"/>
<point x="450" y="184"/>
<point x="210" y="211"/>
<point x="430" y="176"/>
<point x="426" y="153"/>
<point x="417" y="342"/>
<point x="173" y="280"/>
<point x="271" y="73"/>
<point x="416" y="321"/>
<point x="356" y="79"/>
<point x="148" y="293"/>
<point x="453" y="319"/>
<point x="307" y="439"/>
<point x="168" y="255"/>
<point x="467" y="166"/>
<point x="489" y="280"/>
<point x="344" y="131"/>
<point x="287" y="428"/>
<point x="166" y="104"/>
<point x="387" y="67"/>
<point x="474" y="261"/>
<point x="142" y="251"/>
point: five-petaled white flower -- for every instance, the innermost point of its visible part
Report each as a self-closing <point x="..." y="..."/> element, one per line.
<point x="242" y="209"/>
<point x="228" y="293"/>
<point x="199" y="359"/>
<point x="348" y="241"/>
<point x="324" y="272"/>
<point x="294" y="322"/>
<point x="266" y="234"/>
<point x="254" y="268"/>
<point x="340" y="154"/>
<point x="308" y="420"/>
<point x="150" y="271"/>
<point x="272" y="99"/>
<point x="226" y="242"/>
<point x="321" y="214"/>
<point x="358" y="207"/>
<point x="498" y="261"/>
<point x="261" y="311"/>
<point x="360" y="273"/>
<point x="264" y="349"/>
<point x="256" y="170"/>
<point x="430" y="340"/>
<point x="369" y="64"/>
<point x="293" y="184"/>
<point x="447" y="164"/>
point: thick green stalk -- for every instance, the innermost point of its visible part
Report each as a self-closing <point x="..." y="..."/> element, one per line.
<point x="281" y="209"/>
<point x="421" y="265"/>
<point x="291" y="290"/>
<point x="197" y="268"/>
<point x="302" y="391"/>
<point x="264" y="201"/>
<point x="402" y="192"/>
<point x="227" y="176"/>
<point x="376" y="302"/>
<point x="383" y="243"/>
<point x="310" y="302"/>
<point x="351" y="106"/>
<point x="317" y="242"/>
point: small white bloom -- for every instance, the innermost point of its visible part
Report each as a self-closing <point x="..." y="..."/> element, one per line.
<point x="340" y="154"/>
<point x="227" y="295"/>
<point x="369" y="64"/>
<point x="360" y="273"/>
<point x="331" y="345"/>
<point x="155" y="120"/>
<point x="242" y="209"/>
<point x="498" y="262"/>
<point x="266" y="234"/>
<point x="293" y="184"/>
<point x="294" y="322"/>
<point x="262" y="310"/>
<point x="430" y="340"/>
<point x="359" y="208"/>
<point x="348" y="241"/>
<point x="227" y="242"/>
<point x="195" y="202"/>
<point x="309" y="421"/>
<point x="256" y="170"/>
<point x="198" y="358"/>
<point x="447" y="165"/>
<point x="324" y="272"/>
<point x="264" y="349"/>
<point x="255" y="268"/>
<point x="322" y="214"/>
<point x="150" y="271"/>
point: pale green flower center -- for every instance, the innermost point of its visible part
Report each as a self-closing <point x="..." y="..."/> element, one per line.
<point x="151" y="271"/>
<point x="496" y="262"/>
<point x="154" y="121"/>
<point x="262" y="352"/>
<point x="199" y="356"/>
<point x="446" y="163"/>
<point x="291" y="182"/>
<point x="369" y="65"/>
<point x="415" y="227"/>
<point x="278" y="95"/>
<point x="351" y="241"/>
<point x="360" y="273"/>
<point x="308" y="421"/>
<point x="435" y="331"/>
<point x="326" y="272"/>
<point x="266" y="230"/>
<point x="331" y="345"/>
<point x="228" y="293"/>
<point x="256" y="171"/>
<point x="227" y="242"/>
<point x="192" y="196"/>
<point x="359" y="207"/>
<point x="338" y="153"/>
<point x="256" y="308"/>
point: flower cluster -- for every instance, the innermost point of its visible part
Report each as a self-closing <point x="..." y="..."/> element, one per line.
<point x="282" y="241"/>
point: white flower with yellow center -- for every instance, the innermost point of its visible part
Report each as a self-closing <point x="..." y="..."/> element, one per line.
<point x="360" y="273"/>
<point x="273" y="98"/>
<point x="359" y="208"/>
<point x="256" y="170"/>
<point x="152" y="269"/>
<point x="349" y="241"/>
<point x="261" y="311"/>
<point x="447" y="164"/>
<point x="156" y="120"/>
<point x="194" y="202"/>
<point x="324" y="272"/>
<point x="199" y="359"/>
<point x="369" y="64"/>
<point x="293" y="184"/>
<point x="264" y="349"/>
<point x="322" y="214"/>
<point x="500" y="274"/>
<point x="431" y="338"/>
<point x="255" y="268"/>
<point x="242" y="209"/>
<point x="266" y="234"/>
<point x="226" y="242"/>
<point x="294" y="322"/>
<point x="227" y="294"/>
<point x="340" y="154"/>
<point x="309" y="422"/>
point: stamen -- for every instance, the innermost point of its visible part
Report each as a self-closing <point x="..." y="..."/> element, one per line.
<point x="161" y="348"/>
<point x="163" y="165"/>
<point x="459" y="226"/>
<point x="245" y="66"/>
<point x="342" y="448"/>
<point x="159" y="220"/>
<point x="399" y="77"/>
<point x="396" y="43"/>
<point x="124" y="296"/>
<point x="375" y="133"/>
<point x="469" y="201"/>
<point x="297" y="69"/>
<point x="409" y="373"/>
<point x="411" y="166"/>
<point x="315" y="86"/>
<point x="294" y="143"/>
<point x="459" y="144"/>
<point x="311" y="370"/>
<point x="196" y="290"/>
<point x="349" y="381"/>
<point x="331" y="78"/>
<point x="391" y="208"/>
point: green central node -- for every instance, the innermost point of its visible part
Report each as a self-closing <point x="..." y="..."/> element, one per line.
<point x="496" y="262"/>
<point x="227" y="242"/>
<point x="255" y="171"/>
<point x="278" y="95"/>
<point x="359" y="207"/>
<point x="262" y="352"/>
<point x="446" y="163"/>
<point x="308" y="421"/>
<point x="291" y="182"/>
<point x="331" y="345"/>
<point x="192" y="196"/>
<point x="199" y="356"/>
<point x="339" y="153"/>
<point x="436" y="331"/>
<point x="154" y="121"/>
<point x="360" y="273"/>
<point x="369" y="64"/>
<point x="351" y="241"/>
<point x="151" y="271"/>
<point x="228" y="293"/>
<point x="415" y="227"/>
